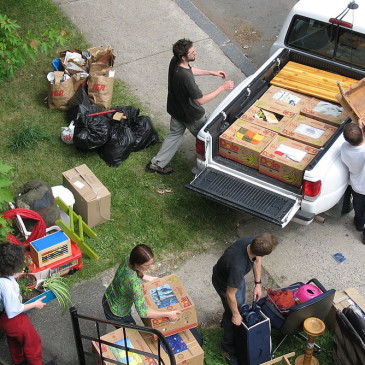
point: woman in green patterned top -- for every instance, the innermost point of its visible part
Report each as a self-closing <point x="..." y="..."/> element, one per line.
<point x="126" y="289"/>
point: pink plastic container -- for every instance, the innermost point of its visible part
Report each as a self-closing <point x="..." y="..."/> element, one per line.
<point x="306" y="292"/>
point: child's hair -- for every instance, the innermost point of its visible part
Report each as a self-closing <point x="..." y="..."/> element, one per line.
<point x="11" y="258"/>
<point x="139" y="256"/>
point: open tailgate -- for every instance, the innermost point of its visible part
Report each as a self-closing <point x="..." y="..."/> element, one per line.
<point x="244" y="196"/>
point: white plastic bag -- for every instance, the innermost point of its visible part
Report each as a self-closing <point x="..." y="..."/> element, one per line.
<point x="67" y="133"/>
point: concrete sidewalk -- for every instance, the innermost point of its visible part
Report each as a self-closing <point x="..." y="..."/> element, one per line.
<point x="142" y="34"/>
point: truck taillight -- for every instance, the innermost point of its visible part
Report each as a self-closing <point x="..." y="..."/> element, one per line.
<point x="200" y="148"/>
<point x="311" y="189"/>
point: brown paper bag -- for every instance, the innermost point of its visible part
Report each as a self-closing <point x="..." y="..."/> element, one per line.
<point x="102" y="55"/>
<point x="60" y="93"/>
<point x="100" y="89"/>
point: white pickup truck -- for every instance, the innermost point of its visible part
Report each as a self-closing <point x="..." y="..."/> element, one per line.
<point x="311" y="35"/>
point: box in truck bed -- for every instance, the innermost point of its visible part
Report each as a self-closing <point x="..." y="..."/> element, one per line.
<point x="286" y="159"/>
<point x="283" y="100"/>
<point x="309" y="131"/>
<point x="324" y="111"/>
<point x="263" y="117"/>
<point x="243" y="142"/>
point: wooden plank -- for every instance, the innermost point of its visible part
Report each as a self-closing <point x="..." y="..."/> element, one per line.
<point x="311" y="81"/>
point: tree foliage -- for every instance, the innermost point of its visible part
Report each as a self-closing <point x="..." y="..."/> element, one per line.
<point x="17" y="48"/>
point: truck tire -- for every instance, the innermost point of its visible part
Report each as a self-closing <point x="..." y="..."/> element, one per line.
<point x="347" y="205"/>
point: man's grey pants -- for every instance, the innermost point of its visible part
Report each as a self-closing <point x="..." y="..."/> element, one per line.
<point x="174" y="138"/>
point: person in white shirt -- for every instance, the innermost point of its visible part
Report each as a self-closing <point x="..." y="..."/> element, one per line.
<point x="353" y="156"/>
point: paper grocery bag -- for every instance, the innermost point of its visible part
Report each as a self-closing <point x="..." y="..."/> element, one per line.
<point x="60" y="93"/>
<point x="100" y="90"/>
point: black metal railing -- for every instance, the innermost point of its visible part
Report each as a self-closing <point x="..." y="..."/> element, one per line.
<point x="81" y="339"/>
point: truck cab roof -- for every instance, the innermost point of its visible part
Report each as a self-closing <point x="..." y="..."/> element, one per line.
<point x="326" y="28"/>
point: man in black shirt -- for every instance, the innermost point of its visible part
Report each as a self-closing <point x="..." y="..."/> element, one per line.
<point x="229" y="279"/>
<point x="184" y="103"/>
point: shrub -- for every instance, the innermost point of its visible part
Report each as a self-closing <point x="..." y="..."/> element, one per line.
<point x="16" y="49"/>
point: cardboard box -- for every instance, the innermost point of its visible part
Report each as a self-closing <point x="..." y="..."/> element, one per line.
<point x="286" y="159"/>
<point x="92" y="198"/>
<point x="343" y="299"/>
<point x="309" y="131"/>
<point x="283" y="100"/>
<point x="184" y="346"/>
<point x="186" y="349"/>
<point x="50" y="248"/>
<point x="324" y="111"/>
<point x="168" y="293"/>
<point x="275" y="121"/>
<point x="243" y="142"/>
<point x="134" y="341"/>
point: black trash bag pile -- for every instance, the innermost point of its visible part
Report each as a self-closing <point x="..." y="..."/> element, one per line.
<point x="113" y="139"/>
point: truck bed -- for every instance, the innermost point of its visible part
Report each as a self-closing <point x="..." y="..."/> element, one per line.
<point x="244" y="188"/>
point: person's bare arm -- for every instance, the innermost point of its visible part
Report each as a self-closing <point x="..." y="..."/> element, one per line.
<point x="36" y="304"/>
<point x="200" y="72"/>
<point x="232" y="302"/>
<point x="257" y="271"/>
<point x="171" y="315"/>
<point x="228" y="85"/>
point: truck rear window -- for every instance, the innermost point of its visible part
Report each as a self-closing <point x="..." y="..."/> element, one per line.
<point x="328" y="40"/>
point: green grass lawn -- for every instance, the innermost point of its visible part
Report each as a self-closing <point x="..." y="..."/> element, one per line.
<point x="174" y="224"/>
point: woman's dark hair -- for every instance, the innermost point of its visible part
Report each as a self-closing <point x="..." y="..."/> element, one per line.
<point x="263" y="244"/>
<point x="181" y="48"/>
<point x="11" y="258"/>
<point x="139" y="256"/>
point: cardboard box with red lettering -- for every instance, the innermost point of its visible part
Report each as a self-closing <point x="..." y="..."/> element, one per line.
<point x="286" y="159"/>
<point x="279" y="99"/>
<point x="92" y="198"/>
<point x="324" y="111"/>
<point x="186" y="349"/>
<point x="133" y="339"/>
<point x="243" y="142"/>
<point x="265" y="118"/>
<point x="309" y="131"/>
<point x="168" y="293"/>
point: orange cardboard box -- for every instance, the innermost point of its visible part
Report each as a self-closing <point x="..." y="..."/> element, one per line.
<point x="134" y="340"/>
<point x="309" y="131"/>
<point x="324" y="111"/>
<point x="279" y="99"/>
<point x="286" y="159"/>
<point x="244" y="141"/>
<point x="275" y="121"/>
<point x="186" y="349"/>
<point x="168" y="293"/>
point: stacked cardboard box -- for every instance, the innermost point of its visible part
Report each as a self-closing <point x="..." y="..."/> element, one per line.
<point x="306" y="122"/>
<point x="243" y="142"/>
<point x="309" y="131"/>
<point x="187" y="351"/>
<point x="166" y="293"/>
<point x="286" y="160"/>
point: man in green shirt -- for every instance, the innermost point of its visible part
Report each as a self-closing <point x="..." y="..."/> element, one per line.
<point x="184" y="103"/>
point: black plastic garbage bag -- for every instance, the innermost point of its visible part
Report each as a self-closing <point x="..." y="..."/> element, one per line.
<point x="145" y="133"/>
<point x="119" y="145"/>
<point x="80" y="105"/>
<point x="91" y="133"/>
<point x="128" y="111"/>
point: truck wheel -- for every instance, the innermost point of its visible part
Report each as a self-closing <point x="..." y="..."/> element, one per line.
<point x="347" y="205"/>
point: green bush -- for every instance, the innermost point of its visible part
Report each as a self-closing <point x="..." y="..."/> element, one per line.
<point x="16" y="49"/>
